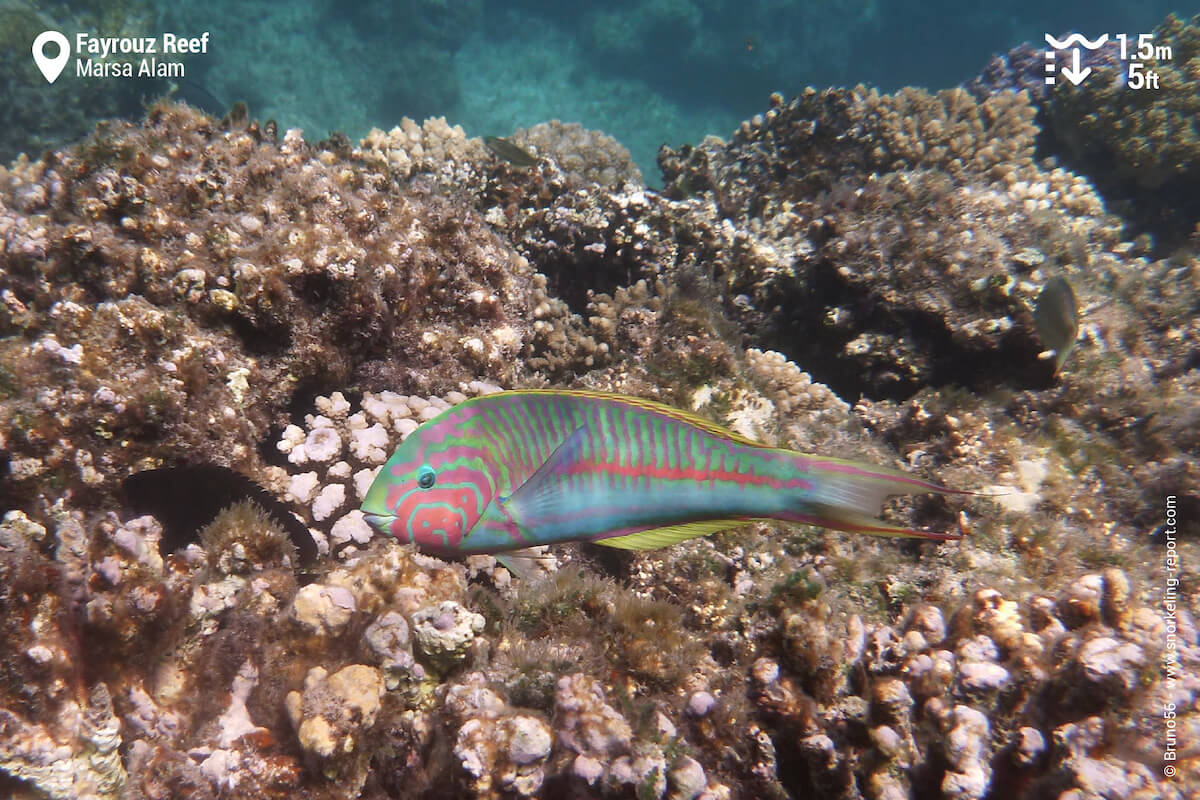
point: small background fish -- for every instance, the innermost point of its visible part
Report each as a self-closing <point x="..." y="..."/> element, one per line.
<point x="1056" y="317"/>
<point x="513" y="154"/>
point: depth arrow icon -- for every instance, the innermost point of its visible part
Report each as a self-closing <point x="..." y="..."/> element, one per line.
<point x="1073" y="73"/>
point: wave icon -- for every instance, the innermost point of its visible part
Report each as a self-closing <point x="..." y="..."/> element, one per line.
<point x="1076" y="38"/>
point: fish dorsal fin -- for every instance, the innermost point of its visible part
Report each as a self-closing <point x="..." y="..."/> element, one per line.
<point x="544" y="494"/>
<point x="706" y="425"/>
<point x="671" y="534"/>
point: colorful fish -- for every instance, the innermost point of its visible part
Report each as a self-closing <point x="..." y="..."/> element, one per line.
<point x="517" y="469"/>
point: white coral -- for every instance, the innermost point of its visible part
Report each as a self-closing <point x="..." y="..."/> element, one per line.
<point x="335" y="406"/>
<point x="292" y="436"/>
<point x="328" y="501"/>
<point x="369" y="444"/>
<point x="405" y="427"/>
<point x="323" y="444"/>
<point x="301" y="487"/>
<point x="351" y="528"/>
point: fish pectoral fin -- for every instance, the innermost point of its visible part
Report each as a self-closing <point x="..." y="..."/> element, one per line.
<point x="529" y="563"/>
<point x="546" y="492"/>
<point x="566" y="455"/>
<point x="669" y="535"/>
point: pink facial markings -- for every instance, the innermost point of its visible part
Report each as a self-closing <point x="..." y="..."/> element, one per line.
<point x="436" y="527"/>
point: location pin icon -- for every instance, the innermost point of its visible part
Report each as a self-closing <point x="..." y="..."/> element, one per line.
<point x="51" y="67"/>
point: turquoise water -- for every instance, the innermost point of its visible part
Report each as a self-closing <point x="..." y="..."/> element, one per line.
<point x="668" y="71"/>
<point x="646" y="73"/>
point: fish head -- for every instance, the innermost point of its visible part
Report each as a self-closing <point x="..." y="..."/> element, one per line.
<point x="434" y="488"/>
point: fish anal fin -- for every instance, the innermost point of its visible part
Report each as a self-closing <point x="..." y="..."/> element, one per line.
<point x="663" y="537"/>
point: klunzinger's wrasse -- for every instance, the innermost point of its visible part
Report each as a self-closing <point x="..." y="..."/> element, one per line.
<point x="518" y="469"/>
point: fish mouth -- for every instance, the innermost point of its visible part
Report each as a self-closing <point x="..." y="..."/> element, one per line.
<point x="380" y="522"/>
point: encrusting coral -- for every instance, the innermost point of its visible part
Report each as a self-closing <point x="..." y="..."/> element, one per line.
<point x="255" y="268"/>
<point x="587" y="157"/>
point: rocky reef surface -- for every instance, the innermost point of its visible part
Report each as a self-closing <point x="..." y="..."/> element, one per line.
<point x="851" y="274"/>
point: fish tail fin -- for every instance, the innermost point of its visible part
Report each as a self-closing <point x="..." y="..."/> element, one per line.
<point x="848" y="496"/>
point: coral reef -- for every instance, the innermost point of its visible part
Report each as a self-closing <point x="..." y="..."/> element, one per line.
<point x="433" y="148"/>
<point x="333" y="717"/>
<point x="1023" y="69"/>
<point x="258" y="270"/>
<point x="997" y="674"/>
<point x="251" y="638"/>
<point x="818" y="139"/>
<point x="1133" y="144"/>
<point x="31" y="752"/>
<point x="1020" y="69"/>
<point x="923" y="272"/>
<point x="852" y="275"/>
<point x="585" y="156"/>
<point x="501" y="751"/>
<point x="1144" y="136"/>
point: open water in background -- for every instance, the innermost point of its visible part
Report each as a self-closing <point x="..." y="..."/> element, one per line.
<point x="666" y="71"/>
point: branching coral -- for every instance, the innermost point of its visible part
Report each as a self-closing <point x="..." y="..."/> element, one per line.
<point x="818" y="139"/>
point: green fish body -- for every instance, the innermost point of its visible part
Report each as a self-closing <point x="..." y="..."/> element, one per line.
<point x="518" y="469"/>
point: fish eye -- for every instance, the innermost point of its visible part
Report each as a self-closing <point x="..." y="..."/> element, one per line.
<point x="426" y="477"/>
